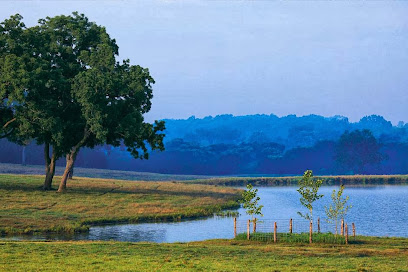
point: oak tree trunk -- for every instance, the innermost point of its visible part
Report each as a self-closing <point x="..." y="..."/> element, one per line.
<point x="70" y="158"/>
<point x="49" y="167"/>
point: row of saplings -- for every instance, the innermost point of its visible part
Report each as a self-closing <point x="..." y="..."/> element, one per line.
<point x="309" y="193"/>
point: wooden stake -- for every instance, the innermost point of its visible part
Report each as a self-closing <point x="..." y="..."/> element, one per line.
<point x="275" y="229"/>
<point x="354" y="230"/>
<point x="346" y="234"/>
<point x="342" y="227"/>
<point x="248" y="226"/>
<point x="290" y="226"/>
<point x="311" y="232"/>
<point x="254" y="225"/>
<point x="318" y="225"/>
<point x="235" y="227"/>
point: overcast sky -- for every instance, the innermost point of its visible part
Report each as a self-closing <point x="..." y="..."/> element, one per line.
<point x="248" y="57"/>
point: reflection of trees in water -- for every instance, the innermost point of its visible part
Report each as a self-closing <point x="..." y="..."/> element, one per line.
<point x="130" y="233"/>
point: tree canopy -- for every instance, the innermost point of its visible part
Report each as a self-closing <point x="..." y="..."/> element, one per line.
<point x="357" y="149"/>
<point x="339" y="208"/>
<point x="63" y="87"/>
<point x="250" y="201"/>
<point x="309" y="191"/>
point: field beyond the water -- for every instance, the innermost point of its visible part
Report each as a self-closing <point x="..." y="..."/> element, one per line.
<point x="349" y="180"/>
<point x="25" y="208"/>
<point x="372" y="254"/>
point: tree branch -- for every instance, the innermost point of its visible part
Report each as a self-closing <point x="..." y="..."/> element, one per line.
<point x="9" y="122"/>
<point x="87" y="133"/>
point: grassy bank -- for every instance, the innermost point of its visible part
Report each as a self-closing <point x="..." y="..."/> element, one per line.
<point x="372" y="254"/>
<point x="25" y="208"/>
<point x="293" y="180"/>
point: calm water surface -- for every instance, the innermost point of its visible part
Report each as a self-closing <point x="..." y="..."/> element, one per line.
<point x="377" y="211"/>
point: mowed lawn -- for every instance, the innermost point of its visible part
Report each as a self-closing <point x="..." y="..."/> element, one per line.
<point x="373" y="254"/>
<point x="25" y="208"/>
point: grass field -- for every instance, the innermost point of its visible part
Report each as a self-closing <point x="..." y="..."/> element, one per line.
<point x="9" y="168"/>
<point x="25" y="208"/>
<point x="372" y="254"/>
<point x="325" y="238"/>
<point x="358" y="180"/>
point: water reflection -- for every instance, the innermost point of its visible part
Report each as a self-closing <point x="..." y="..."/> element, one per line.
<point x="377" y="211"/>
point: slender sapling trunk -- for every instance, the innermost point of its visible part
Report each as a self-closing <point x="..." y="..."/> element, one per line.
<point x="336" y="226"/>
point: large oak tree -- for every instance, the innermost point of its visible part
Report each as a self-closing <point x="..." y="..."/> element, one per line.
<point x="61" y="85"/>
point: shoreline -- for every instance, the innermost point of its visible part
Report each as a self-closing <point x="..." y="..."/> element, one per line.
<point x="288" y="181"/>
<point x="97" y="202"/>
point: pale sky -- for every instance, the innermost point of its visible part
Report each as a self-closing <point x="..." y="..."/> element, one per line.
<point x="246" y="57"/>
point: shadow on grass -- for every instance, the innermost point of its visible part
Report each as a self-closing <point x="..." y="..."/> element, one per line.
<point x="115" y="189"/>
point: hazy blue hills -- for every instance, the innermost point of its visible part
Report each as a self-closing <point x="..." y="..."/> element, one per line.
<point x="290" y="131"/>
<point x="256" y="144"/>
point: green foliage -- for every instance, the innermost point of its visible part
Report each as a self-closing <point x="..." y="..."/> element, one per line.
<point x="357" y="149"/>
<point x="308" y="189"/>
<point x="250" y="201"/>
<point x="12" y="74"/>
<point x="61" y="84"/>
<point x="339" y="208"/>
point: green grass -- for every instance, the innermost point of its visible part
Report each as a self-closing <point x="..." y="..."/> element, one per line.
<point x="25" y="208"/>
<point x="350" y="180"/>
<point x="326" y="238"/>
<point x="372" y="254"/>
<point x="9" y="168"/>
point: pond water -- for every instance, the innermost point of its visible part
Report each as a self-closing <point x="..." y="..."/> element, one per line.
<point x="376" y="211"/>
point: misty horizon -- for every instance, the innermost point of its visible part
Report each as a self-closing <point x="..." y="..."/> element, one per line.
<point x="253" y="57"/>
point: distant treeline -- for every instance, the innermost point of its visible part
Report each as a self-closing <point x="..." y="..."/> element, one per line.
<point x="256" y="144"/>
<point x="290" y="131"/>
